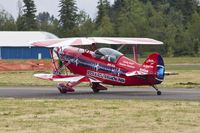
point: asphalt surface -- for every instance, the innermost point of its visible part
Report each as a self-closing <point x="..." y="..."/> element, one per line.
<point x="112" y="93"/>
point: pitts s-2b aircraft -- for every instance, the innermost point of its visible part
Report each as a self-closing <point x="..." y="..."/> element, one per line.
<point x="104" y="65"/>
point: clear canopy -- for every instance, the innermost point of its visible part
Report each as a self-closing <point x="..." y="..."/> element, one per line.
<point x="108" y="54"/>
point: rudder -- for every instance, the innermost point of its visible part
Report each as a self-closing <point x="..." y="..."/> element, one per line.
<point x="155" y="64"/>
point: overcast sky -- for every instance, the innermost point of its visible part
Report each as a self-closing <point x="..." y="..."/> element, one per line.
<point x="51" y="6"/>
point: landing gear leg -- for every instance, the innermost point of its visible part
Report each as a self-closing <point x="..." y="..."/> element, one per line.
<point x="158" y="92"/>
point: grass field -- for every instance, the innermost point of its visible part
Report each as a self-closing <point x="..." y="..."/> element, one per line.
<point x="185" y="79"/>
<point x="91" y="116"/>
<point x="104" y="116"/>
<point x="188" y="77"/>
<point x="177" y="60"/>
<point x="182" y="60"/>
<point x="23" y="78"/>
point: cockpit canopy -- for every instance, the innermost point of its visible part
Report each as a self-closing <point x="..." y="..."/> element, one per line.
<point x="108" y="54"/>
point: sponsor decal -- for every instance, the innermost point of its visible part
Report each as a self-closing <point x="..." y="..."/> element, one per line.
<point x="92" y="65"/>
<point x="105" y="76"/>
<point x="150" y="61"/>
<point x="144" y="71"/>
<point x="147" y="66"/>
<point x="111" y="65"/>
<point x="127" y="64"/>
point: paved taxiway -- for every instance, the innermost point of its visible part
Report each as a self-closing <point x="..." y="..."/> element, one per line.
<point x="112" y="93"/>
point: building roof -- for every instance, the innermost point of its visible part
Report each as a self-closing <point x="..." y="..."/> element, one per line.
<point x="22" y="38"/>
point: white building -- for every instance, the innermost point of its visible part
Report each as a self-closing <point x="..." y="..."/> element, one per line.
<point x="14" y="45"/>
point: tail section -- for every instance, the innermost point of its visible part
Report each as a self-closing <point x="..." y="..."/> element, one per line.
<point x="154" y="64"/>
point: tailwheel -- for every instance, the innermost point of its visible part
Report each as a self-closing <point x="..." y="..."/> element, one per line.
<point x="63" y="88"/>
<point x="96" y="87"/>
<point x="158" y="92"/>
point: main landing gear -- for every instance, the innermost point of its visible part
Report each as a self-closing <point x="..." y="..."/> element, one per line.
<point x="65" y="88"/>
<point x="158" y="92"/>
<point x="96" y="87"/>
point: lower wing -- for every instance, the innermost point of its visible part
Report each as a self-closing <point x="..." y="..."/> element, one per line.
<point x="66" y="78"/>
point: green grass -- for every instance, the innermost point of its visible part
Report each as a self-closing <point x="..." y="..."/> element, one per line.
<point x="178" y="60"/>
<point x="23" y="78"/>
<point x="92" y="116"/>
<point x="185" y="79"/>
<point x="182" y="60"/>
<point x="189" y="75"/>
<point x="182" y="67"/>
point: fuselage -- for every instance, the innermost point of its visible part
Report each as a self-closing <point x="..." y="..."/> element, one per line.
<point x="109" y="70"/>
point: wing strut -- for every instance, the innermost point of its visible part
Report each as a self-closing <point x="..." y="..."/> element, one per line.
<point x="53" y="60"/>
<point x="135" y="52"/>
<point x="121" y="47"/>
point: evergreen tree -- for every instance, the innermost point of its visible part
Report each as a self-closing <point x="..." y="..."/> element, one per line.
<point x="194" y="33"/>
<point x="103" y="10"/>
<point x="115" y="12"/>
<point x="87" y="28"/>
<point x="48" y="23"/>
<point x="105" y="28"/>
<point x="7" y="22"/>
<point x="175" y="22"/>
<point x="86" y="25"/>
<point x="44" y="17"/>
<point x="68" y="17"/>
<point x="28" y="20"/>
<point x="118" y="5"/>
<point x="131" y="20"/>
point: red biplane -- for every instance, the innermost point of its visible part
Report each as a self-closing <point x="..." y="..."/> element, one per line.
<point x="104" y="65"/>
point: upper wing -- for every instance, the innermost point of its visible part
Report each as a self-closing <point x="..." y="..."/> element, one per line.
<point x="64" y="78"/>
<point x="64" y="42"/>
<point x="125" y="40"/>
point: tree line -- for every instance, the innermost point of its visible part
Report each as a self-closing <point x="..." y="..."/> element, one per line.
<point x="175" y="22"/>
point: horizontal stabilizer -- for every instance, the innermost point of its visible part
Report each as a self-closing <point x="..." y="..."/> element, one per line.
<point x="136" y="73"/>
<point x="171" y="73"/>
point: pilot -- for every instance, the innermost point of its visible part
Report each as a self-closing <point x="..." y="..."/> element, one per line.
<point x="106" y="57"/>
<point x="93" y="47"/>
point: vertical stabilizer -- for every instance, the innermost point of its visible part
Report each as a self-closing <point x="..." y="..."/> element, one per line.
<point x="155" y="64"/>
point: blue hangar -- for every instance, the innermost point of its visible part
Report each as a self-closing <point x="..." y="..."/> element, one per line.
<point x="14" y="45"/>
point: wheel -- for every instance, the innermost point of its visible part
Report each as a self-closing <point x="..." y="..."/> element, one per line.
<point x="159" y="93"/>
<point x="62" y="90"/>
<point x="95" y="90"/>
<point x="96" y="87"/>
<point x="61" y="87"/>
